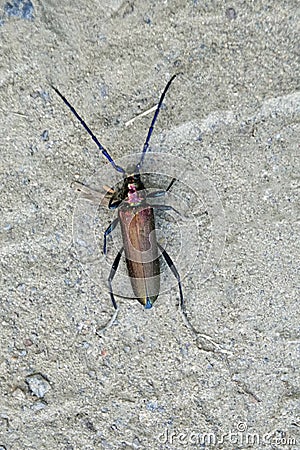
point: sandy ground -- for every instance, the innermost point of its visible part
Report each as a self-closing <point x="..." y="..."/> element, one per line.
<point x="149" y="382"/>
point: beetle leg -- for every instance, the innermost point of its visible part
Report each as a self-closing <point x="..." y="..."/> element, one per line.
<point x="175" y="272"/>
<point x="171" y="184"/>
<point x="92" y="195"/>
<point x="161" y="193"/>
<point x="109" y="229"/>
<point x="165" y="208"/>
<point x="113" y="270"/>
<point x="203" y="339"/>
<point x="156" y="194"/>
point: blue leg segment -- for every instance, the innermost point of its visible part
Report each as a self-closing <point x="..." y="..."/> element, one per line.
<point x="111" y="227"/>
<point x="111" y="276"/>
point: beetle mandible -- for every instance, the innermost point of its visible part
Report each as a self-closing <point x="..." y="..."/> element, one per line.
<point x="136" y="218"/>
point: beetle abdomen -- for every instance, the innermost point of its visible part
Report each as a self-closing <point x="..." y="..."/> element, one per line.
<point x="141" y="251"/>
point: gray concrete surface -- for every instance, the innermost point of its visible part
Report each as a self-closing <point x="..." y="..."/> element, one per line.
<point x="149" y="382"/>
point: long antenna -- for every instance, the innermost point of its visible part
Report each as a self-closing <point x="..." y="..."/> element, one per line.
<point x="146" y="144"/>
<point x="100" y="146"/>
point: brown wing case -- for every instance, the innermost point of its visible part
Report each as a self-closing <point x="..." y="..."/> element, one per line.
<point x="141" y="251"/>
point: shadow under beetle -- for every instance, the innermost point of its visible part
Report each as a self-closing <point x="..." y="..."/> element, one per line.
<point x="136" y="218"/>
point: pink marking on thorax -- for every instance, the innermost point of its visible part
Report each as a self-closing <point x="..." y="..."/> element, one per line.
<point x="133" y="196"/>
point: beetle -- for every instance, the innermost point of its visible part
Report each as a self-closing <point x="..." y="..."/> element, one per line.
<point x="137" y="221"/>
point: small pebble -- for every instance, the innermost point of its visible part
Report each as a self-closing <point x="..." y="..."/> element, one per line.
<point x="38" y="385"/>
<point x="231" y="13"/>
<point x="20" y="8"/>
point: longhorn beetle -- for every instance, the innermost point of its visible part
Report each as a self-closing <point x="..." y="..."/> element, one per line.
<point x="136" y="218"/>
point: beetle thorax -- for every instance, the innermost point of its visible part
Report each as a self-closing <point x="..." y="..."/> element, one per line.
<point x="134" y="195"/>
